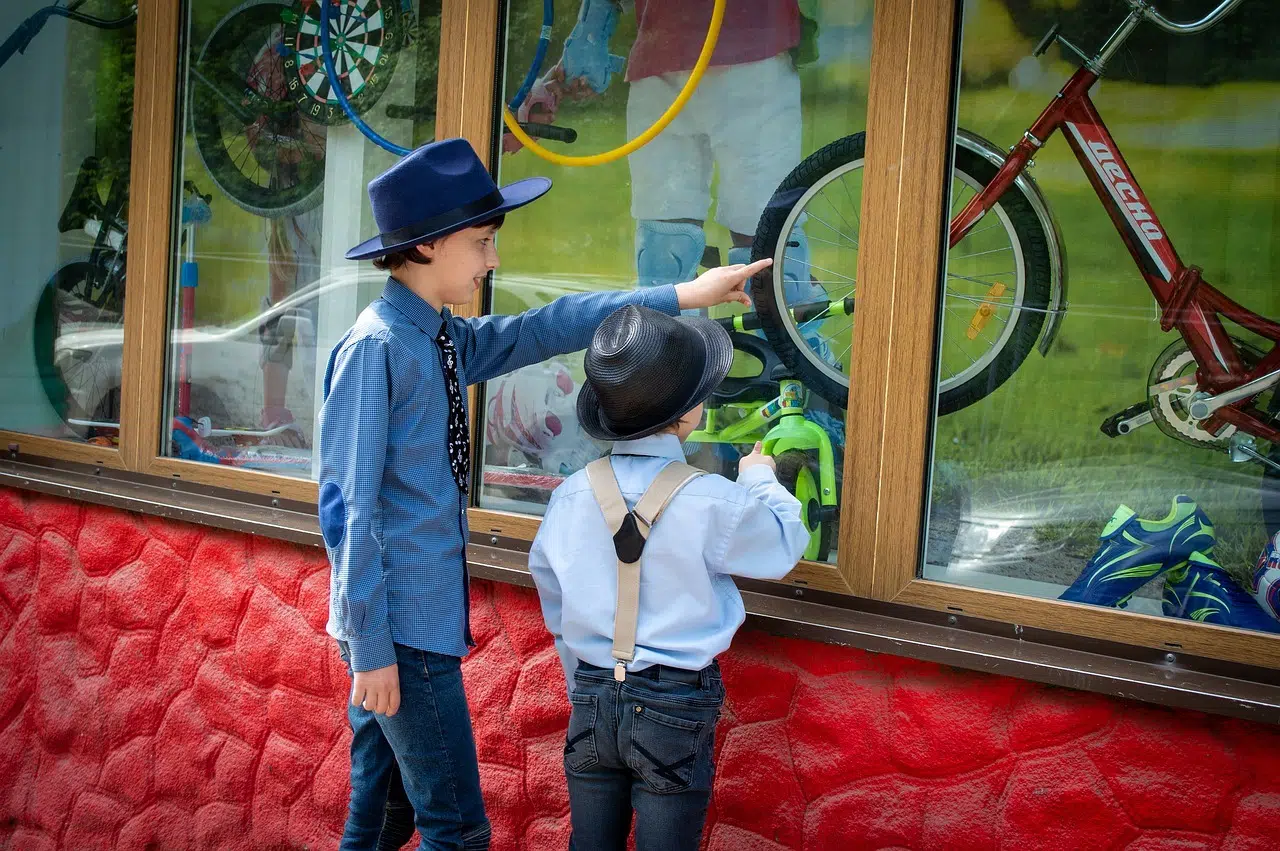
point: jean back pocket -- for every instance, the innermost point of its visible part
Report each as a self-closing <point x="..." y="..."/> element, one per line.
<point x="666" y="751"/>
<point x="580" y="741"/>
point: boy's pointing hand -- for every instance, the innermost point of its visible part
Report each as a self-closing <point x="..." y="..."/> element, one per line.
<point x="721" y="285"/>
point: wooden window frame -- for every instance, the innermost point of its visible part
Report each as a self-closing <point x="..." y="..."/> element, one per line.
<point x="910" y="127"/>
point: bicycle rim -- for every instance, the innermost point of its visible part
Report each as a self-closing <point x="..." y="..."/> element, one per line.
<point x="833" y="244"/>
<point x="830" y="215"/>
<point x="273" y="164"/>
<point x="86" y="380"/>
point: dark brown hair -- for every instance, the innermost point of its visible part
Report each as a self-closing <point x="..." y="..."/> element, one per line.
<point x="396" y="259"/>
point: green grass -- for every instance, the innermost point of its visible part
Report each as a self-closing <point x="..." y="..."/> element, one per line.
<point x="1220" y="207"/>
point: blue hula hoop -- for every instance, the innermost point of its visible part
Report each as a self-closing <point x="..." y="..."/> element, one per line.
<point x="336" y="86"/>
<point x="331" y="71"/>
<point x="544" y="40"/>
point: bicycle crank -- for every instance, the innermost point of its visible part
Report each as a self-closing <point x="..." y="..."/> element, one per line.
<point x="1171" y="390"/>
<point x="1127" y="421"/>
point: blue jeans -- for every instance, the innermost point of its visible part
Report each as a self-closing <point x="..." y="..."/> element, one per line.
<point x="644" y="745"/>
<point x="418" y="767"/>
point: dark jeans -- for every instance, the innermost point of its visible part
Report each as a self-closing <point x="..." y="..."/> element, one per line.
<point x="418" y="767"/>
<point x="644" y="745"/>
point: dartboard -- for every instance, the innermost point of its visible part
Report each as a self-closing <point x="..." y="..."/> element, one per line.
<point x="364" y="37"/>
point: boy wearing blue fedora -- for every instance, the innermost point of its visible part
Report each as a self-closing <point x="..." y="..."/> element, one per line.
<point x="634" y="563"/>
<point x="395" y="472"/>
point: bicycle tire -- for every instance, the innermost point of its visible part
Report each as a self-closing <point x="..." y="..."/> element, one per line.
<point x="797" y="471"/>
<point x="844" y="155"/>
<point x="250" y="23"/>
<point x="61" y="389"/>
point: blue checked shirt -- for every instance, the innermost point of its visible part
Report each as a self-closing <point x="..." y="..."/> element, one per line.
<point x="689" y="606"/>
<point x="393" y="519"/>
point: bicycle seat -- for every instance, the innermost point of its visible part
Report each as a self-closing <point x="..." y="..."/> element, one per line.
<point x="759" y="387"/>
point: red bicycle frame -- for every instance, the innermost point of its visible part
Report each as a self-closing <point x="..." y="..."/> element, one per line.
<point x="1187" y="303"/>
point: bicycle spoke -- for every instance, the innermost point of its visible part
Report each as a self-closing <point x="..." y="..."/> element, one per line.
<point x="852" y="243"/>
<point x="841" y="357"/>
<point x="972" y="360"/>
<point x="853" y="205"/>
<point x="977" y="279"/>
<point x="813" y="265"/>
<point x="955" y="199"/>
<point x="982" y="253"/>
<point x="833" y="206"/>
<point x="980" y="300"/>
<point x="974" y="233"/>
<point x="829" y="242"/>
<point x="836" y="291"/>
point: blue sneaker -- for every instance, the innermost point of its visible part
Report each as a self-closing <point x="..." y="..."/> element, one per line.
<point x="1135" y="551"/>
<point x="1203" y="591"/>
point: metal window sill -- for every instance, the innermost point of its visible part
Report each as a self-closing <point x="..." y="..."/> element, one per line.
<point x="992" y="647"/>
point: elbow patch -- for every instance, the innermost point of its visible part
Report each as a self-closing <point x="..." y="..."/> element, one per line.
<point x="333" y="514"/>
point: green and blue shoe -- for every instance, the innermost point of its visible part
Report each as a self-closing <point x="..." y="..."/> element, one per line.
<point x="1135" y="551"/>
<point x="1203" y="591"/>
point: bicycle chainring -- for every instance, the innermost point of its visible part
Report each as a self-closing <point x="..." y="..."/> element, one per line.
<point x="1171" y="386"/>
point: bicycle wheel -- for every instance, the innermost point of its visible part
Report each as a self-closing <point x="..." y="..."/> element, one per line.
<point x="259" y="149"/>
<point x="366" y="38"/>
<point x="79" y="382"/>
<point x="798" y="473"/>
<point x="997" y="284"/>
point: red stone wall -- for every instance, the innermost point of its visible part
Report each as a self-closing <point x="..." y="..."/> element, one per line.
<point x="165" y="686"/>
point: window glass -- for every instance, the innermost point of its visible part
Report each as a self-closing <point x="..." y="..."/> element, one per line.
<point x="1088" y="444"/>
<point x="66" y="112"/>
<point x="272" y="174"/>
<point x="764" y="160"/>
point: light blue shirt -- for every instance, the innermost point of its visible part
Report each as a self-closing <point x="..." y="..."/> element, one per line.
<point x="393" y="519"/>
<point x="689" y="605"/>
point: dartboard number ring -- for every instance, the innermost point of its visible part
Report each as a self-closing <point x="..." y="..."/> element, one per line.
<point x="364" y="37"/>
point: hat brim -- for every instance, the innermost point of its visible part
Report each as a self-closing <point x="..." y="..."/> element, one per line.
<point x="514" y="196"/>
<point x="719" y="359"/>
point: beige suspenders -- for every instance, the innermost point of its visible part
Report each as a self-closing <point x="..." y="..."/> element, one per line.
<point x="630" y="530"/>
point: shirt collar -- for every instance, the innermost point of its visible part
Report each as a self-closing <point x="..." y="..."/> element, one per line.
<point x="414" y="307"/>
<point x="664" y="445"/>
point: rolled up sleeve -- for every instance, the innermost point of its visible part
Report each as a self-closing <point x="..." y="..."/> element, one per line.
<point x="769" y="536"/>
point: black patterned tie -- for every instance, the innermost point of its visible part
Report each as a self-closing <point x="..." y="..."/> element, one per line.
<point x="459" y="447"/>
<point x="459" y="450"/>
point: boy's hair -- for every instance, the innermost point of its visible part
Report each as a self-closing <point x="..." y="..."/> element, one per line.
<point x="393" y="261"/>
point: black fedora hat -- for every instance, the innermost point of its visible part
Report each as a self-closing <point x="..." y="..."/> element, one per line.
<point x="646" y="369"/>
<point x="436" y="190"/>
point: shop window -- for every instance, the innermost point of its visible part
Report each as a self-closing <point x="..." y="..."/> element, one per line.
<point x="66" y="116"/>
<point x="270" y="193"/>
<point x="764" y="160"/>
<point x="1089" y="444"/>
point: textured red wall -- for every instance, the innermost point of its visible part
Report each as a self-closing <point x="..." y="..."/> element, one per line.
<point x="165" y="686"/>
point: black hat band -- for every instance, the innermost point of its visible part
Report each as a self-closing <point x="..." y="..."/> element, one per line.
<point x="443" y="221"/>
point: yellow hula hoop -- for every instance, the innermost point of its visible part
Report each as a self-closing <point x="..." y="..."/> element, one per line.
<point x="695" y="76"/>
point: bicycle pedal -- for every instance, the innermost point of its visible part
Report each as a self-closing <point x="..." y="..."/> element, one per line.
<point x="1126" y="421"/>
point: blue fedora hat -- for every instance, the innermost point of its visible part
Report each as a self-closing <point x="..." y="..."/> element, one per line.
<point x="436" y="190"/>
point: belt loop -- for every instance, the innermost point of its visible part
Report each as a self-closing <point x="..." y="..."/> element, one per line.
<point x="704" y="678"/>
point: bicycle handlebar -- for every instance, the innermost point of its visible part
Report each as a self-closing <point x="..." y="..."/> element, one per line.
<point x="20" y="39"/>
<point x="1178" y="27"/>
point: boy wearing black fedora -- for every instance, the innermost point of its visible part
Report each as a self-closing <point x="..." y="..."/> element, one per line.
<point x="395" y="473"/>
<point x="633" y="565"/>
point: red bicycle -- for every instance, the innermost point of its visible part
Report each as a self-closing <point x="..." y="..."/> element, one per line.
<point x="1006" y="276"/>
